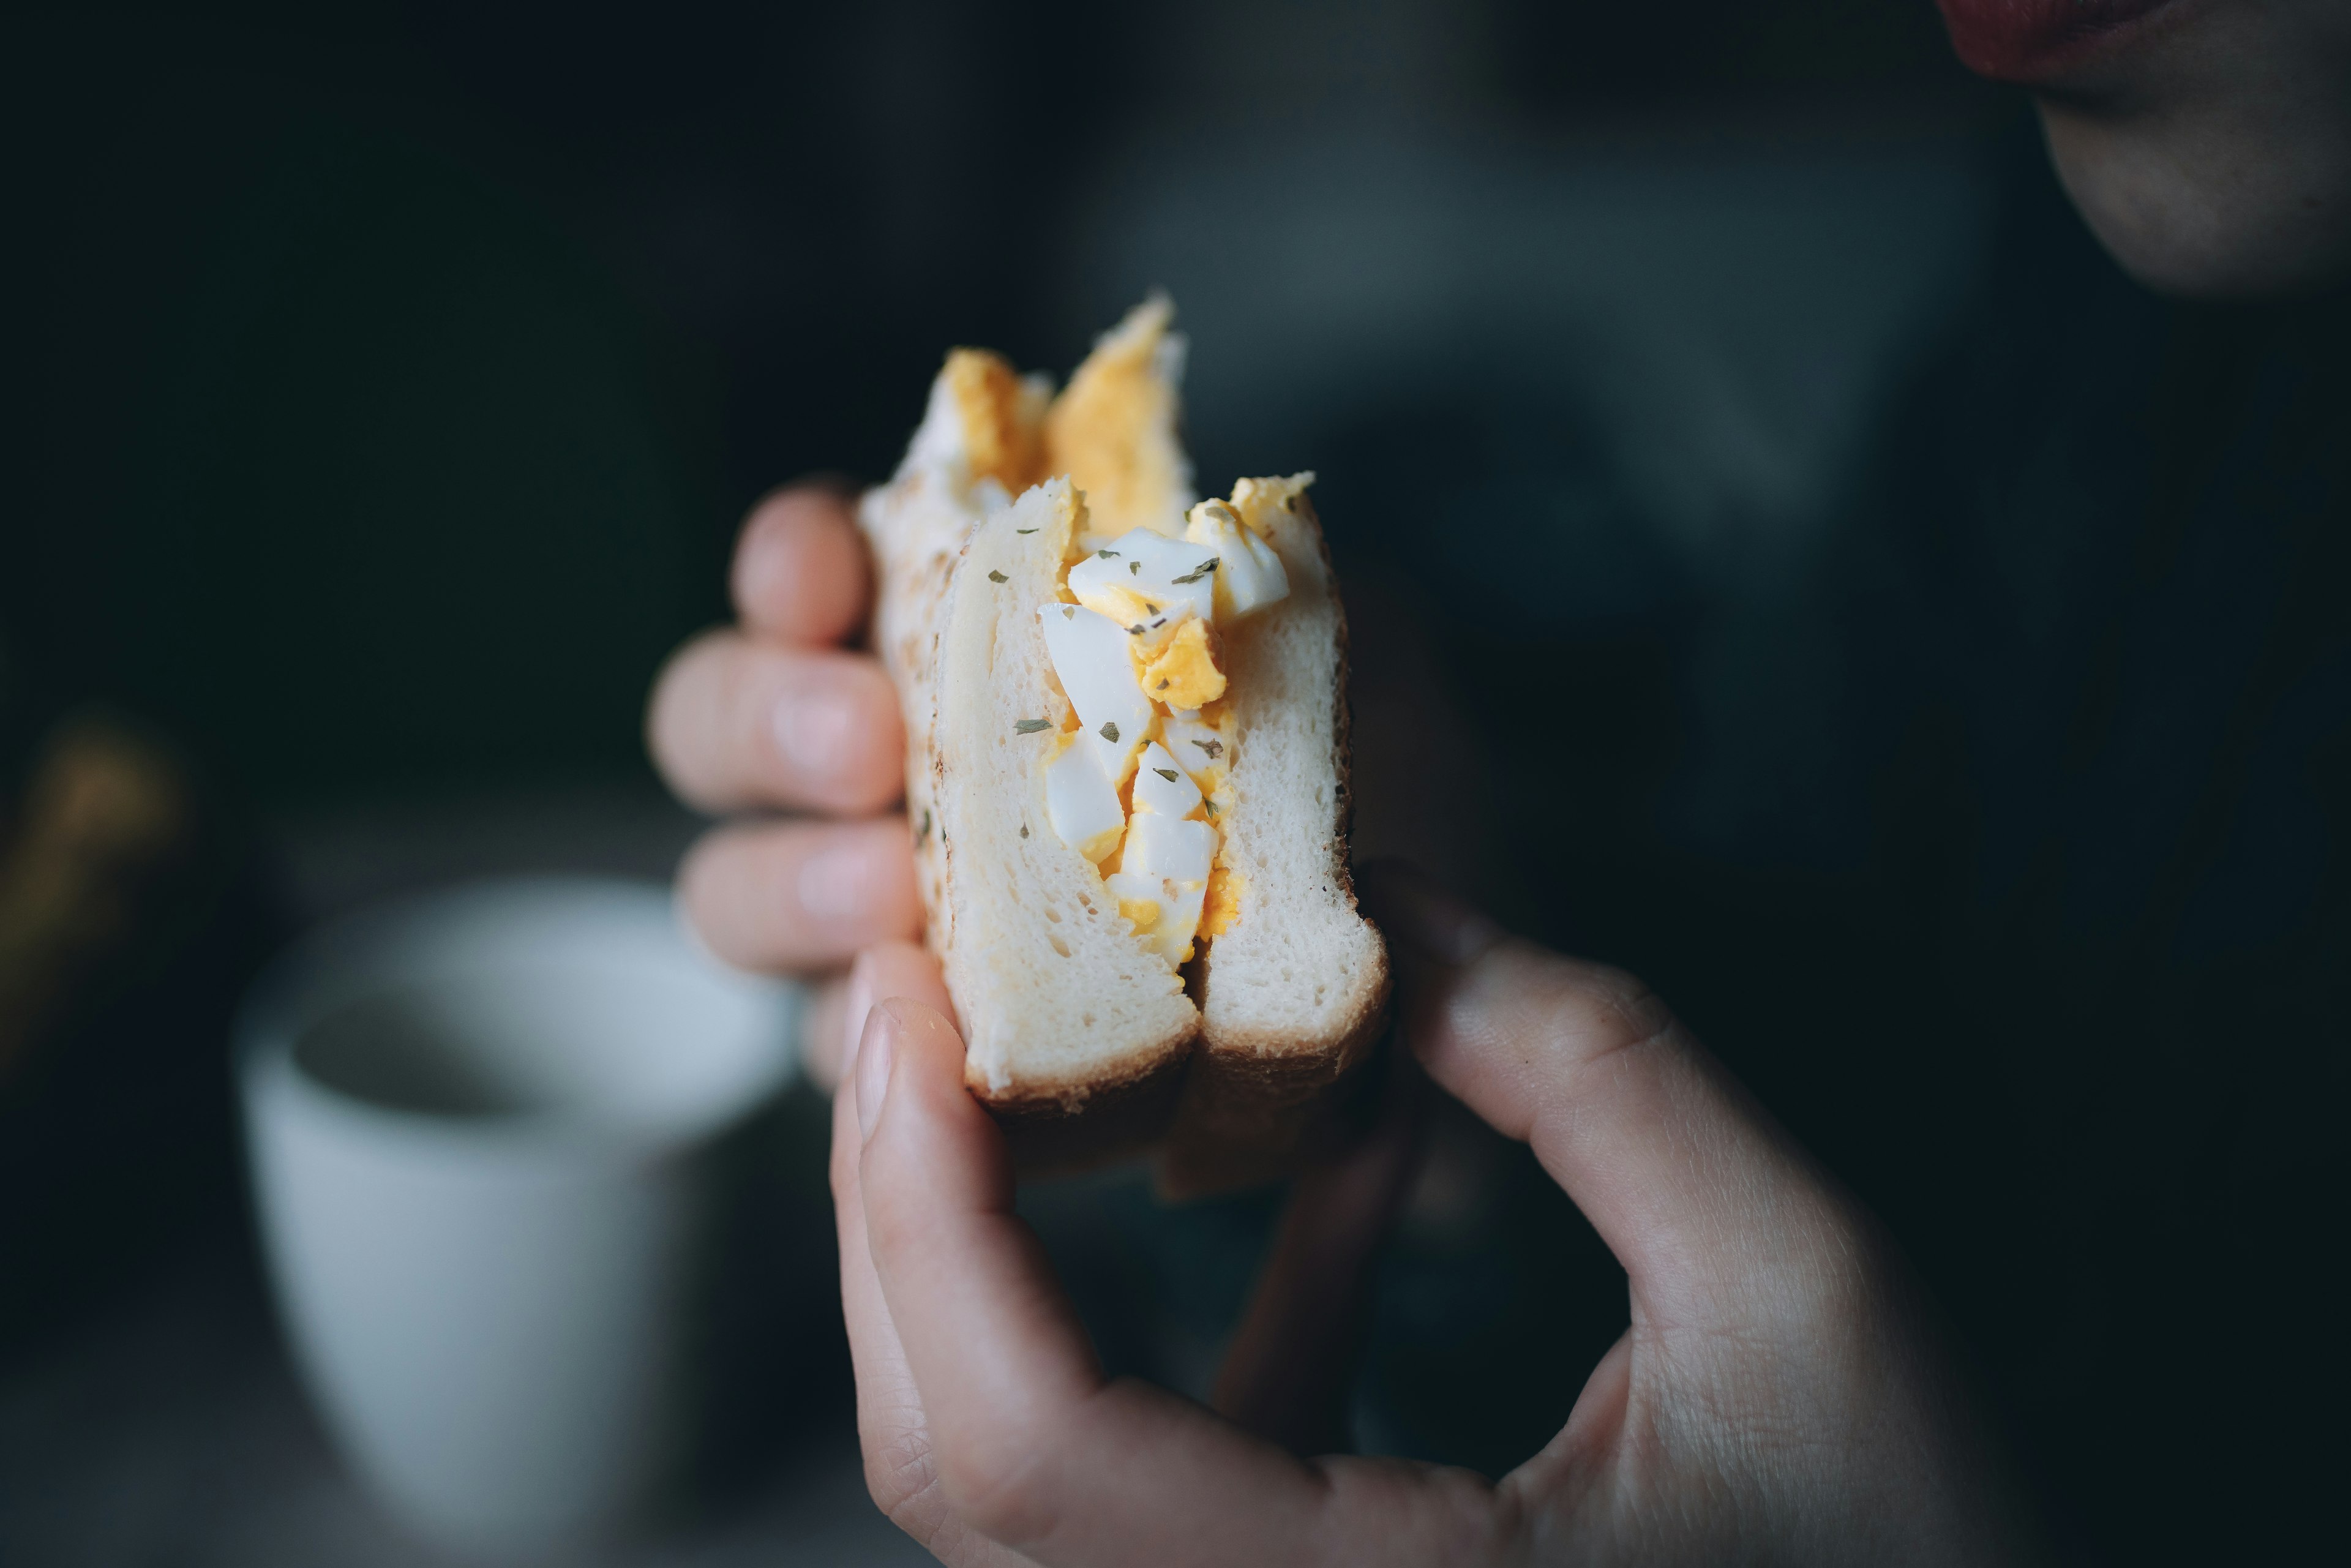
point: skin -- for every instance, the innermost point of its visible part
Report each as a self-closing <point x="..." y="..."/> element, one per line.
<point x="2210" y="146"/>
<point x="1782" y="1394"/>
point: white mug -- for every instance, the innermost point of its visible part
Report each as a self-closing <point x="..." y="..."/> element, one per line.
<point x="489" y="1131"/>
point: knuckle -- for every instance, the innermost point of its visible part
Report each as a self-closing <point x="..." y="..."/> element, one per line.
<point x="711" y="881"/>
<point x="1622" y="1011"/>
<point x="996" y="1487"/>
<point x="1583" y="1013"/>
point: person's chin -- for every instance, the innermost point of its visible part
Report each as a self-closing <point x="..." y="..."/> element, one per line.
<point x="2207" y="143"/>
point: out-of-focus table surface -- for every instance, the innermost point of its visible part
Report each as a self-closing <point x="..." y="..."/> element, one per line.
<point x="168" y="1426"/>
<point x="172" y="1430"/>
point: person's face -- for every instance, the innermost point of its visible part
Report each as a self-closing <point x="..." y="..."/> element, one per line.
<point x="2206" y="142"/>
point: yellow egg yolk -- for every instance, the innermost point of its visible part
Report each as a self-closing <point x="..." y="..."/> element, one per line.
<point x="1105" y="430"/>
<point x="999" y="432"/>
<point x="1184" y="673"/>
<point x="1223" y="906"/>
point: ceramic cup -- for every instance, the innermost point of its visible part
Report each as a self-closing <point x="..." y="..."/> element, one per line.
<point x="489" y="1131"/>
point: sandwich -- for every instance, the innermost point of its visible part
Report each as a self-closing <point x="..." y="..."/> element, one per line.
<point x="1127" y="767"/>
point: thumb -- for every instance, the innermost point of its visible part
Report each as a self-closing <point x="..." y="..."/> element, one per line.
<point x="1690" y="1183"/>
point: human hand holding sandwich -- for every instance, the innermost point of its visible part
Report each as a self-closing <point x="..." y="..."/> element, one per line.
<point x="1780" y="1395"/>
<point x="1118" y="713"/>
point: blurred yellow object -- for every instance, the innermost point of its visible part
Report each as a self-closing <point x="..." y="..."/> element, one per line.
<point x="102" y="811"/>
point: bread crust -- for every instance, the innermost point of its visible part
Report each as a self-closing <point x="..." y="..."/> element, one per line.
<point x="1113" y="1117"/>
<point x="1252" y="1092"/>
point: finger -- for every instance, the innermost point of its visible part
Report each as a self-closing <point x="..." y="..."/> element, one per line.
<point x="1288" y="1373"/>
<point x="891" y="1426"/>
<point x="1688" y="1180"/>
<point x="786" y="897"/>
<point x="736" y="723"/>
<point x="836" y="1014"/>
<point x="888" y="969"/>
<point x="1031" y="1446"/>
<point x="802" y="574"/>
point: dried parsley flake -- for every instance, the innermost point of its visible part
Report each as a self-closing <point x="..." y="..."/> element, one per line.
<point x="1166" y="773"/>
<point x="1031" y="726"/>
<point x="998" y="577"/>
<point x="1110" y="732"/>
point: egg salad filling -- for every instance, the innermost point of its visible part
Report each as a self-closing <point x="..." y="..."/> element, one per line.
<point x="1139" y="774"/>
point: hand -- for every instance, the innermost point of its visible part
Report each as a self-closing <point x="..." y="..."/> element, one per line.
<point x="1780" y="1395"/>
<point x="773" y="714"/>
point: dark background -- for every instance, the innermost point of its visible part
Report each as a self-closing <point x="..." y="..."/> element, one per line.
<point x="1755" y="495"/>
<point x="389" y="382"/>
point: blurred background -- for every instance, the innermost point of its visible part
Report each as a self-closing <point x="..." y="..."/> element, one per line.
<point x="386" y="383"/>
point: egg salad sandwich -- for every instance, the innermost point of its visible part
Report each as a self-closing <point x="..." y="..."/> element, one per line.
<point x="1127" y="767"/>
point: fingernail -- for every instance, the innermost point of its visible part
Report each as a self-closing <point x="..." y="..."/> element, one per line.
<point x="875" y="1052"/>
<point x="813" y="730"/>
<point x="834" y="883"/>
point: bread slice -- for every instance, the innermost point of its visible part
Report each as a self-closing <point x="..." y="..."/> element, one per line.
<point x="1082" y="1040"/>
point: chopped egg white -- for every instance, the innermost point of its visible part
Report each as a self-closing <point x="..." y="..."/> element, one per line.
<point x="1166" y="914"/>
<point x="1147" y="582"/>
<point x="1138" y="655"/>
<point x="1249" y="575"/>
<point x="1161" y="786"/>
<point x="1196" y="747"/>
<point x="1175" y="848"/>
<point x="1082" y="803"/>
<point x="1090" y="657"/>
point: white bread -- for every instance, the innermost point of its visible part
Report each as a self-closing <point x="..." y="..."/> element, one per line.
<point x="1079" y="1037"/>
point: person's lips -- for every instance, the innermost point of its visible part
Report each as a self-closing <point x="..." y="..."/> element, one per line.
<point x="2030" y="41"/>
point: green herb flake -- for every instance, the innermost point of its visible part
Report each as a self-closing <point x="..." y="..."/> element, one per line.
<point x="1107" y="554"/>
<point x="1210" y="803"/>
<point x="1024" y="829"/>
<point x="1213" y="748"/>
<point x="1136" y="629"/>
<point x="998" y="577"/>
<point x="1024" y="530"/>
<point x="1197" y="573"/>
<point x="1031" y="726"/>
<point x="923" y="830"/>
<point x="1110" y="733"/>
<point x="1166" y="773"/>
<point x="1134" y="568"/>
<point x="1160" y="687"/>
